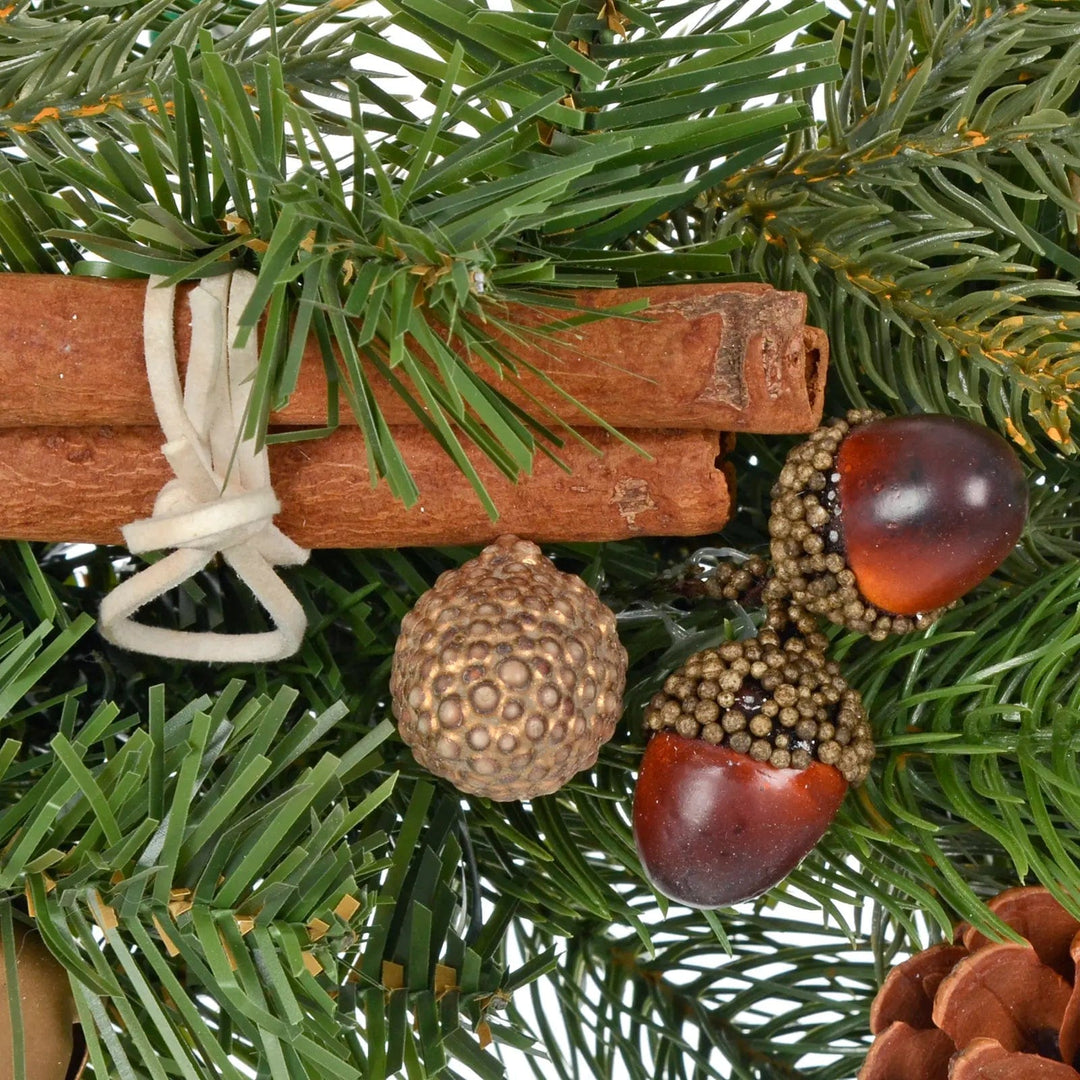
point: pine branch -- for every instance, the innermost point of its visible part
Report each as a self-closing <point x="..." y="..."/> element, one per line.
<point x="230" y="875"/>
<point x="757" y="1010"/>
<point x="933" y="220"/>
<point x="564" y="868"/>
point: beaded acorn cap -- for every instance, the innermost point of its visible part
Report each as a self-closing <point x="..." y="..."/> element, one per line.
<point x="735" y="582"/>
<point x="775" y="698"/>
<point x="810" y="570"/>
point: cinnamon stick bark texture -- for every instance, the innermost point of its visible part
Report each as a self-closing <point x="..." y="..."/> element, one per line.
<point x="730" y="357"/>
<point x="82" y="484"/>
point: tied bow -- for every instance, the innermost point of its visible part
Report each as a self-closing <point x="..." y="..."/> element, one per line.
<point x="221" y="499"/>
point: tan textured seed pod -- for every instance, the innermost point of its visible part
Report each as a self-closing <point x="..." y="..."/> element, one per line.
<point x="54" y="1049"/>
<point x="508" y="674"/>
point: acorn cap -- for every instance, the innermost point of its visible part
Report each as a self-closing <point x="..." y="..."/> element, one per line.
<point x="508" y="674"/>
<point x="810" y="568"/>
<point x="774" y="698"/>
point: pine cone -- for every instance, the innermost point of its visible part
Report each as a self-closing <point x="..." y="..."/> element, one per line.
<point x="983" y="1010"/>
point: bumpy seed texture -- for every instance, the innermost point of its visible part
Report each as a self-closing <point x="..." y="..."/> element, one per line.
<point x="774" y="699"/>
<point x="810" y="570"/>
<point x="508" y="674"/>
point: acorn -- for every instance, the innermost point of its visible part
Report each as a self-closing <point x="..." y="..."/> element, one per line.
<point x="53" y="1045"/>
<point x="508" y="674"/>
<point x="881" y="524"/>
<point x="755" y="744"/>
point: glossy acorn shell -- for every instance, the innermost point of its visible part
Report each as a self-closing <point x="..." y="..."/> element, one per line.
<point x="714" y="827"/>
<point x="930" y="506"/>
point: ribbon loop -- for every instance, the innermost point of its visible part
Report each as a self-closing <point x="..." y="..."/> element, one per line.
<point x="221" y="500"/>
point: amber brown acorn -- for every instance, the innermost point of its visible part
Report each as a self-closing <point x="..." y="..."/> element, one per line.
<point x="880" y="524"/>
<point x="754" y="746"/>
<point x="508" y="674"/>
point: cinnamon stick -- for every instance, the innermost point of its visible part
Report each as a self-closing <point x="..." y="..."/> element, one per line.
<point x="729" y="357"/>
<point x="82" y="484"/>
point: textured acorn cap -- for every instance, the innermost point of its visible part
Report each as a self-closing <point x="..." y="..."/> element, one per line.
<point x="810" y="570"/>
<point x="776" y="699"/>
<point x="52" y="1043"/>
<point x="508" y="674"/>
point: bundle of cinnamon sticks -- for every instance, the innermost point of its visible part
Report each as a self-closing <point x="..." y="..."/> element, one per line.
<point x="80" y="446"/>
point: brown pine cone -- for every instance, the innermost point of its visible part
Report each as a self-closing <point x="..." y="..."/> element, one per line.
<point x="52" y="1039"/>
<point x="984" y="1010"/>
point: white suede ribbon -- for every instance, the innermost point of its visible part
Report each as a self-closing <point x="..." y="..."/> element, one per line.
<point x="221" y="499"/>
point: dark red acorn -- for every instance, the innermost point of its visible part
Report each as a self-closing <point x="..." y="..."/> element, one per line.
<point x="756" y="742"/>
<point x="930" y="505"/>
<point x="715" y="827"/>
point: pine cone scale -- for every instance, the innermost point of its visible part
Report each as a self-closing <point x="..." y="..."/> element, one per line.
<point x="985" y="1059"/>
<point x="1069" y="1039"/>
<point x="907" y="994"/>
<point x="1003" y="992"/>
<point x="1038" y="918"/>
<point x="904" y="1052"/>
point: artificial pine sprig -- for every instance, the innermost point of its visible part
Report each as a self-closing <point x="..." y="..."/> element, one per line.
<point x="983" y="793"/>
<point x="209" y="864"/>
<point x="932" y="217"/>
